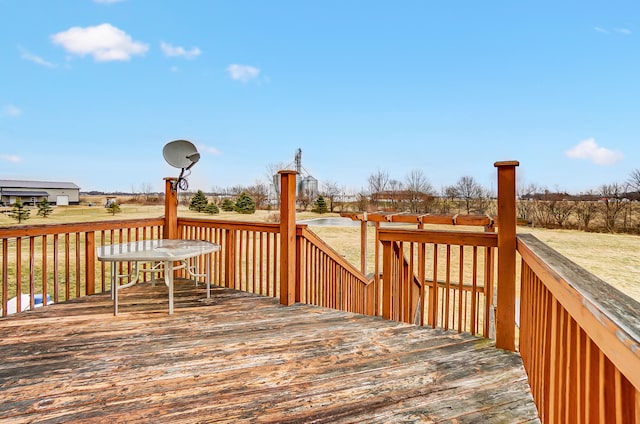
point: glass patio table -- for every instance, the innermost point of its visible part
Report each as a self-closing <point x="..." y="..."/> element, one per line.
<point x="165" y="255"/>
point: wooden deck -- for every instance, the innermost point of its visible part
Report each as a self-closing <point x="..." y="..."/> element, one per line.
<point x="238" y="357"/>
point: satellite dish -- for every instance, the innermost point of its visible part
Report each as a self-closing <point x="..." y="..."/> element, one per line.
<point x="181" y="154"/>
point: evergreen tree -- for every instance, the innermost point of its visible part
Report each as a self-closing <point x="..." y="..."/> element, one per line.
<point x="198" y="202"/>
<point x="245" y="204"/>
<point x="211" y="209"/>
<point x="320" y="206"/>
<point x="113" y="208"/>
<point x="44" y="208"/>
<point x="227" y="205"/>
<point x="19" y="212"/>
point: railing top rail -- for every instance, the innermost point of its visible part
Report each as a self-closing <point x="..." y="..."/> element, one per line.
<point x="461" y="238"/>
<point x="231" y="225"/>
<point x="47" y="229"/>
<point x="412" y="218"/>
<point x="608" y="316"/>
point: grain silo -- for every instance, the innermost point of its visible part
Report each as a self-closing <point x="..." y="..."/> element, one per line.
<point x="306" y="185"/>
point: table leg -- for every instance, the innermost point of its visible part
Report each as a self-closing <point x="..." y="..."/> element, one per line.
<point x="168" y="279"/>
<point x="207" y="266"/>
<point x="114" y="287"/>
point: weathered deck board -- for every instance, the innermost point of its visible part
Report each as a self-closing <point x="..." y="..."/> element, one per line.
<point x="237" y="357"/>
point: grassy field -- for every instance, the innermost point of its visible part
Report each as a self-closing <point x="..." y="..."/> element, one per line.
<point x="613" y="257"/>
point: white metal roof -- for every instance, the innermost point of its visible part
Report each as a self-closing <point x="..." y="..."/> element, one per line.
<point x="37" y="184"/>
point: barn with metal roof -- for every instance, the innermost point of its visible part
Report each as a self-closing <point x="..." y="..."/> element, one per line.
<point x="32" y="192"/>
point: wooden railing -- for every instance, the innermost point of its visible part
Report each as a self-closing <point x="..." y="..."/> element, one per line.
<point x="456" y="268"/>
<point x="579" y="340"/>
<point x="249" y="259"/>
<point x="58" y="261"/>
<point x="326" y="279"/>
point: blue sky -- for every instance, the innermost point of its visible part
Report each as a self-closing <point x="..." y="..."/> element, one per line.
<point x="91" y="91"/>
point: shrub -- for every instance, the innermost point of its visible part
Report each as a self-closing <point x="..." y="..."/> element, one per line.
<point x="44" y="208"/>
<point x="19" y="212"/>
<point x="211" y="209"/>
<point x="245" y="204"/>
<point x="198" y="202"/>
<point x="227" y="205"/>
<point x="113" y="208"/>
<point x="320" y="205"/>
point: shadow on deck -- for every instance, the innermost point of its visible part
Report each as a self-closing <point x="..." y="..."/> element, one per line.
<point x="238" y="357"/>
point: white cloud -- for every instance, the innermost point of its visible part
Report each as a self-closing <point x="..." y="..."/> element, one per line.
<point x="624" y="31"/>
<point x="10" y="158"/>
<point x="26" y="55"/>
<point x="12" y="110"/>
<point x="209" y="149"/>
<point x="104" y="42"/>
<point x="588" y="149"/>
<point x="172" y="51"/>
<point x="242" y="73"/>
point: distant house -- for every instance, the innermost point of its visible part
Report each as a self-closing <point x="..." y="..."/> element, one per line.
<point x="32" y="192"/>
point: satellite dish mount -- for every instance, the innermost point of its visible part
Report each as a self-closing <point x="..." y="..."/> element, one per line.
<point x="181" y="154"/>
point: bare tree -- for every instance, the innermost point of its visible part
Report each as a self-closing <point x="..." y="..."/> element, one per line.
<point x="147" y="190"/>
<point x="330" y="192"/>
<point x="305" y="199"/>
<point x="540" y="212"/>
<point x="395" y="193"/>
<point x="483" y="203"/>
<point x="634" y="180"/>
<point x="378" y="183"/>
<point x="525" y="203"/>
<point x="613" y="204"/>
<point x="236" y="190"/>
<point x="362" y="200"/>
<point x="260" y="194"/>
<point x="449" y="196"/>
<point x="469" y="191"/>
<point x="134" y="194"/>
<point x="560" y="209"/>
<point x="585" y="211"/>
<point x="419" y="190"/>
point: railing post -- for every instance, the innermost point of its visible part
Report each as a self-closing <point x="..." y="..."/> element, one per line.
<point x="287" y="237"/>
<point x="363" y="244"/>
<point x="170" y="209"/>
<point x="506" y="307"/>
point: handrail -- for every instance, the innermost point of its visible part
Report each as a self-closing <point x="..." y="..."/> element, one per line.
<point x="49" y="229"/>
<point x="466" y="238"/>
<point x="230" y="224"/>
<point x="579" y="339"/>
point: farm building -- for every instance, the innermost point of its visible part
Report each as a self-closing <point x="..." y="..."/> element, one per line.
<point x="32" y="192"/>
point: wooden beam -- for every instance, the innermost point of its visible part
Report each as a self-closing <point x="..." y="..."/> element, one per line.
<point x="287" y="237"/>
<point x="170" y="209"/>
<point x="506" y="307"/>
